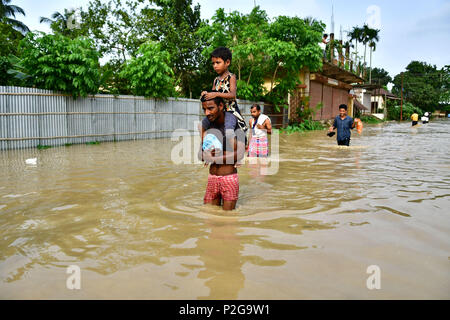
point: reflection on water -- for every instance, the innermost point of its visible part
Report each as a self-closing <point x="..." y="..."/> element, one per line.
<point x="135" y="224"/>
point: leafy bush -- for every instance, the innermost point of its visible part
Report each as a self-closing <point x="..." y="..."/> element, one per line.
<point x="305" y="111"/>
<point x="393" y="111"/>
<point x="267" y="55"/>
<point x="58" y="63"/>
<point x="369" y="119"/>
<point x="149" y="73"/>
<point x="307" y="125"/>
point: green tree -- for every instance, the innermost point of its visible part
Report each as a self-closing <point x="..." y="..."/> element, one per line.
<point x="422" y="85"/>
<point x="393" y="110"/>
<point x="356" y="34"/>
<point x="9" y="42"/>
<point x="373" y="38"/>
<point x="119" y="28"/>
<point x="7" y="11"/>
<point x="265" y="52"/>
<point x="56" y="62"/>
<point x="114" y="27"/>
<point x="149" y="73"/>
<point x="174" y="24"/>
<point x="380" y="77"/>
<point x="244" y="35"/>
<point x="445" y="89"/>
<point x="64" y="23"/>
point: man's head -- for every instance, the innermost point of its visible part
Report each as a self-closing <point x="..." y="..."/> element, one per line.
<point x="255" y="111"/>
<point x="221" y="59"/>
<point x="325" y="35"/>
<point x="343" y="110"/>
<point x="212" y="107"/>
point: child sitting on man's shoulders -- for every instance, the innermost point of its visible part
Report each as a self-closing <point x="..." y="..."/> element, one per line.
<point x="224" y="86"/>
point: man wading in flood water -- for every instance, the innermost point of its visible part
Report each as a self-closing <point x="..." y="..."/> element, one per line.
<point x="343" y="123"/>
<point x="223" y="181"/>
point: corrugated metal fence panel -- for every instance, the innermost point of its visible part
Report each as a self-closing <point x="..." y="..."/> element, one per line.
<point x="4" y="126"/>
<point x="179" y="117"/>
<point x="163" y="118"/>
<point x="55" y="124"/>
<point x="62" y="119"/>
<point x="103" y="122"/>
<point x="193" y="113"/>
<point x="31" y="122"/>
<point x="145" y="121"/>
<point x="124" y="118"/>
<point x="15" y="127"/>
<point x="79" y="124"/>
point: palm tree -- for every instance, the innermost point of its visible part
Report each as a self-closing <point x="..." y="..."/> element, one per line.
<point x="356" y="34"/>
<point x="58" y="21"/>
<point x="374" y="38"/>
<point x="8" y="10"/>
<point x="365" y="39"/>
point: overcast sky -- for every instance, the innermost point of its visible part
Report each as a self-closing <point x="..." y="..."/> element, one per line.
<point x="410" y="30"/>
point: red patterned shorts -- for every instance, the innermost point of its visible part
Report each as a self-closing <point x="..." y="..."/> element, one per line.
<point x="225" y="186"/>
<point x="259" y="147"/>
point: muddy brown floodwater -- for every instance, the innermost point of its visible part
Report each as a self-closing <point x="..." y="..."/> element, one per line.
<point x="134" y="222"/>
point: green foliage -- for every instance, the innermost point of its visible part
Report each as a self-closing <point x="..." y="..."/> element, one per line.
<point x="393" y="111"/>
<point x="9" y="42"/>
<point x="65" y="23"/>
<point x="445" y="89"/>
<point x="175" y="24"/>
<point x="305" y="111"/>
<point x="58" y="63"/>
<point x="243" y="35"/>
<point x="7" y="11"/>
<point x="369" y="119"/>
<point x="424" y="85"/>
<point x="149" y="73"/>
<point x="379" y="76"/>
<point x="43" y="147"/>
<point x="119" y="28"/>
<point x="265" y="52"/>
<point x="307" y="125"/>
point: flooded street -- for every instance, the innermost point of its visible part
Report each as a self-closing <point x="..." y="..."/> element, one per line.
<point x="135" y="223"/>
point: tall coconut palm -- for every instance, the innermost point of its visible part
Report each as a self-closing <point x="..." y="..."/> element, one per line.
<point x="7" y="11"/>
<point x="59" y="21"/>
<point x="356" y="34"/>
<point x="374" y="38"/>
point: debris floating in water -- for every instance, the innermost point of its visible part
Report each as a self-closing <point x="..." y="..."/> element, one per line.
<point x="31" y="161"/>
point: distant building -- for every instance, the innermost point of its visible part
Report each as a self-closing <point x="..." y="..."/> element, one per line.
<point x="379" y="100"/>
<point x="330" y="87"/>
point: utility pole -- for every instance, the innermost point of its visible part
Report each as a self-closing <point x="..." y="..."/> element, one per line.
<point x="401" y="103"/>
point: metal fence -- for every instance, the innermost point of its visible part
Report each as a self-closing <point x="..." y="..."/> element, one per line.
<point x="30" y="117"/>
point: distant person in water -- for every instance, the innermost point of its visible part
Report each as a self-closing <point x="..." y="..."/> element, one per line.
<point x="260" y="126"/>
<point x="425" y="118"/>
<point x="222" y="149"/>
<point x="414" y="118"/>
<point x="343" y="123"/>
